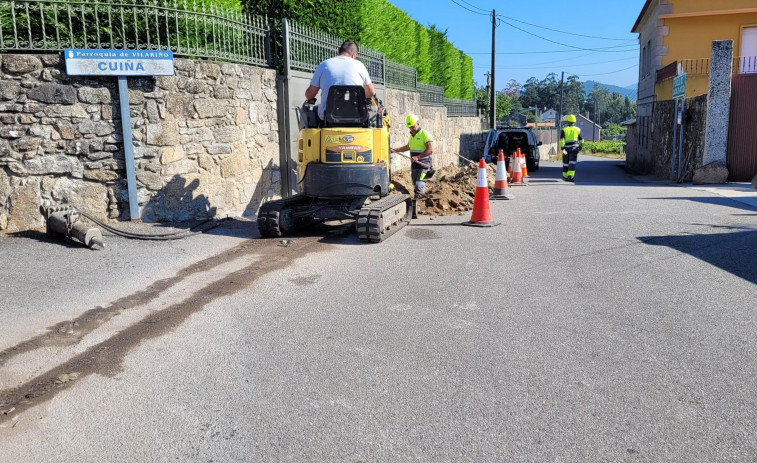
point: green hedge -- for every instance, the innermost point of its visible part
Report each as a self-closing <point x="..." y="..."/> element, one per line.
<point x="382" y="26"/>
<point x="604" y="146"/>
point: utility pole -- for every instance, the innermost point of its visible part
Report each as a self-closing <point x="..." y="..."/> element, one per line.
<point x="559" y="117"/>
<point x="493" y="96"/>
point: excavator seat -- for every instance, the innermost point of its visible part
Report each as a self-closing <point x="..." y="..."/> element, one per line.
<point x="346" y="107"/>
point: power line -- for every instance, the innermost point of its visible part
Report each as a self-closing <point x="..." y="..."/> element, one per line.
<point x="606" y="73"/>
<point x="550" y="29"/>
<point x="538" y="65"/>
<point x="468" y="9"/>
<point x="549" y="52"/>
<point x="531" y="33"/>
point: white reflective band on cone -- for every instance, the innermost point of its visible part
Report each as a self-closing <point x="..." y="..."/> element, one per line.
<point x="500" y="170"/>
<point x="482" y="178"/>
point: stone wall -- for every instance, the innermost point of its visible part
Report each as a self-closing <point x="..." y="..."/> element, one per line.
<point x="453" y="135"/>
<point x="694" y="121"/>
<point x="205" y="141"/>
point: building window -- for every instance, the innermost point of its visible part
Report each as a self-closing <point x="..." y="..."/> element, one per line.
<point x="748" y="50"/>
<point x="644" y="62"/>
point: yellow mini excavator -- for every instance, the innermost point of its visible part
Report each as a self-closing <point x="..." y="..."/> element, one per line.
<point x="342" y="171"/>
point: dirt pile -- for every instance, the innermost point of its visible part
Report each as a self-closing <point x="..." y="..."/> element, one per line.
<point x="451" y="192"/>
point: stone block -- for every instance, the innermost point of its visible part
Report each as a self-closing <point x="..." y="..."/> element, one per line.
<point x="9" y="90"/>
<point x="206" y="162"/>
<point x="136" y="97"/>
<point x="221" y="92"/>
<point x="89" y="196"/>
<point x="21" y="64"/>
<point x="163" y="134"/>
<point x="150" y="180"/>
<point x="106" y="112"/>
<point x="234" y="165"/>
<point x="219" y="148"/>
<point x="180" y="105"/>
<point x="53" y="94"/>
<point x="228" y="134"/>
<point x="172" y="154"/>
<point x="712" y="173"/>
<point x="98" y="155"/>
<point x="242" y="94"/>
<point x="52" y="60"/>
<point x="24" y="202"/>
<point x="241" y="117"/>
<point x="181" y="167"/>
<point x="153" y="115"/>
<point x="13" y="131"/>
<point x="66" y="130"/>
<point x="27" y="144"/>
<point x="210" y="69"/>
<point x="210" y="108"/>
<point x="18" y="169"/>
<point x="56" y="111"/>
<point x="56" y="164"/>
<point x="99" y="128"/>
<point x="103" y="176"/>
<point x="195" y="87"/>
<point x="95" y="95"/>
<point x="230" y="69"/>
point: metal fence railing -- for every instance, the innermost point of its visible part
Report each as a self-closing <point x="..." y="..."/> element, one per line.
<point x="309" y="46"/>
<point x="186" y="27"/>
<point x="460" y="108"/>
<point x="431" y="95"/>
<point x="400" y="76"/>
<point x="701" y="67"/>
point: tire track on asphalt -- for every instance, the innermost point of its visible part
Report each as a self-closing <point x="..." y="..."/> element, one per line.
<point x="105" y="357"/>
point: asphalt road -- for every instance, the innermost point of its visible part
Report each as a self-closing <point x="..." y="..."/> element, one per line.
<point x="607" y="320"/>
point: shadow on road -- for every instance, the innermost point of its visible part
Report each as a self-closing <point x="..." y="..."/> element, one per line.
<point x="713" y="200"/>
<point x="733" y="252"/>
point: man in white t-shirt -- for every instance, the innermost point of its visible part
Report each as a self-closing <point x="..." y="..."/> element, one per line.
<point x="343" y="69"/>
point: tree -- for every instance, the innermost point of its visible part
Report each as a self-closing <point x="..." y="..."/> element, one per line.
<point x="513" y="89"/>
<point x="504" y="103"/>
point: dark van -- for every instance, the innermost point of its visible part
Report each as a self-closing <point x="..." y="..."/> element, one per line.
<point x="509" y="140"/>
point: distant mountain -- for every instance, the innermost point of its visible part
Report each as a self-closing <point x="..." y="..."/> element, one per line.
<point x="629" y="91"/>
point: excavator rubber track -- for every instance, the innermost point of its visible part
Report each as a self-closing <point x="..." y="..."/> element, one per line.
<point x="381" y="219"/>
<point x="275" y="217"/>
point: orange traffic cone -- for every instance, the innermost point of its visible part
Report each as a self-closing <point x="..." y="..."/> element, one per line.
<point x="523" y="165"/>
<point x="482" y="215"/>
<point x="500" y="185"/>
<point x="517" y="171"/>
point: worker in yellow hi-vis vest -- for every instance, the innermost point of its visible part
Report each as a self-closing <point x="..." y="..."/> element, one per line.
<point x="571" y="143"/>
<point x="421" y="146"/>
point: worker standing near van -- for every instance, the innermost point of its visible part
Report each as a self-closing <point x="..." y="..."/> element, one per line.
<point x="571" y="143"/>
<point x="421" y="146"/>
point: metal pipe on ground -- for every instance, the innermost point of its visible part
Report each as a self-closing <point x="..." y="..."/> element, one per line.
<point x="64" y="220"/>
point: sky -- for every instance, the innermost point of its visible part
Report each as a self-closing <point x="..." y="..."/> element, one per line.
<point x="536" y="38"/>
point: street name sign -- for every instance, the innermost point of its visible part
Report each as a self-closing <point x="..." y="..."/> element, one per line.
<point x="679" y="86"/>
<point x="128" y="63"/>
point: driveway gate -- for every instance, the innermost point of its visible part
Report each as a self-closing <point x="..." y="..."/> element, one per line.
<point x="741" y="158"/>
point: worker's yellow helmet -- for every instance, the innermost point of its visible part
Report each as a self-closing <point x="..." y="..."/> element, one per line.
<point x="571" y="118"/>
<point x="411" y="120"/>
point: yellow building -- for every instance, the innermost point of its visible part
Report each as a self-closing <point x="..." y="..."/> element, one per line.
<point x="676" y="36"/>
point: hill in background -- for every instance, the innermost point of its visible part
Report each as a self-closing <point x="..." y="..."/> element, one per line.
<point x="629" y="91"/>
